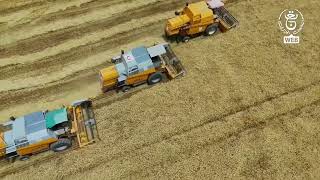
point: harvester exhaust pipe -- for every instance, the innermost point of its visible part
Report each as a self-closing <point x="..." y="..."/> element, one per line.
<point x="122" y="52"/>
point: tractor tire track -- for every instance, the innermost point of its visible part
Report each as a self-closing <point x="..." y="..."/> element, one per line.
<point x="6" y="9"/>
<point x="40" y="42"/>
<point x="57" y="61"/>
<point x="82" y="9"/>
<point x="69" y="12"/>
<point x="30" y="94"/>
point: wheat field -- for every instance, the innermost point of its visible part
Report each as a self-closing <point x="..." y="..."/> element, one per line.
<point x="248" y="107"/>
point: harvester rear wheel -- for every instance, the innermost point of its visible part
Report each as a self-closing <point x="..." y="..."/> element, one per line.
<point x="60" y="145"/>
<point x="24" y="158"/>
<point x="185" y="39"/>
<point x="155" y="78"/>
<point x="11" y="159"/>
<point x="125" y="88"/>
<point x="212" y="29"/>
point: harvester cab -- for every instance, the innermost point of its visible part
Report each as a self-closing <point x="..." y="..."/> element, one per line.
<point x="206" y="17"/>
<point x="57" y="130"/>
<point x="141" y="65"/>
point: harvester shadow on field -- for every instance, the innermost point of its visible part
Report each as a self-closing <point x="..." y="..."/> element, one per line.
<point x="176" y="40"/>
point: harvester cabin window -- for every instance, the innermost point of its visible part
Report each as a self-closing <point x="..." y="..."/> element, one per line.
<point x="156" y="61"/>
<point x="133" y="70"/>
<point x="22" y="142"/>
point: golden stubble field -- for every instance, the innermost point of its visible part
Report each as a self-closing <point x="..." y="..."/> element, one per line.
<point x="248" y="108"/>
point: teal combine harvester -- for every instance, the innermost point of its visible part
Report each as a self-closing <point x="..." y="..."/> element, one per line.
<point x="57" y="130"/>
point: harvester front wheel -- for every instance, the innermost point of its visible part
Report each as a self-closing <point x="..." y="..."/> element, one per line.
<point x="185" y="39"/>
<point x="60" y="145"/>
<point x="212" y="29"/>
<point x="24" y="158"/>
<point x="125" y="88"/>
<point x="155" y="78"/>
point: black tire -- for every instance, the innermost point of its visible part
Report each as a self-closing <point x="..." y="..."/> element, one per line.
<point x="61" y="145"/>
<point x="125" y="88"/>
<point x="212" y="29"/>
<point x="11" y="159"/>
<point x="155" y="78"/>
<point x="24" y="158"/>
<point x="186" y="39"/>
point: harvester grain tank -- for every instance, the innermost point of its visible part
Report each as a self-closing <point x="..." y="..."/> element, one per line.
<point x="140" y="65"/>
<point x="204" y="17"/>
<point x="56" y="130"/>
